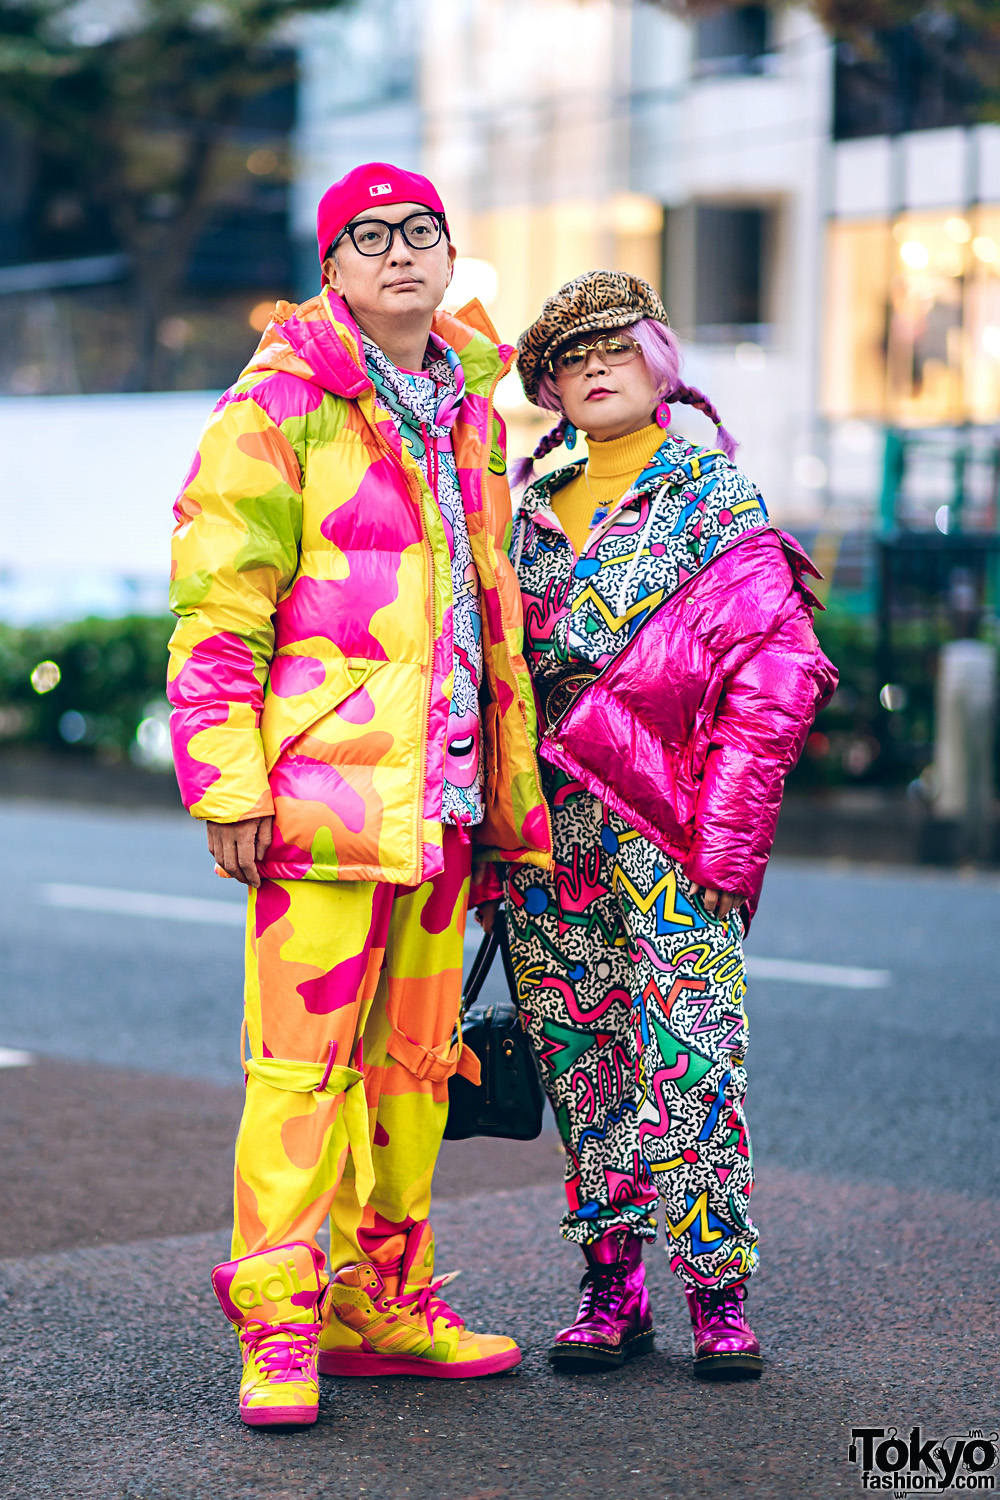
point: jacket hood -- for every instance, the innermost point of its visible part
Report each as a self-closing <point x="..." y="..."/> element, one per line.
<point x="319" y="341"/>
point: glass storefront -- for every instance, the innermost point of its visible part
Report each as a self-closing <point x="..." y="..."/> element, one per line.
<point x="912" y="332"/>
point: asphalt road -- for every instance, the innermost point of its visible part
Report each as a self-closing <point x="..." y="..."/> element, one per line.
<point x="875" y="1116"/>
<point x="848" y="1082"/>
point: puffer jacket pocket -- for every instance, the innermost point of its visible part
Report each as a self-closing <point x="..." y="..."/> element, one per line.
<point x="301" y="690"/>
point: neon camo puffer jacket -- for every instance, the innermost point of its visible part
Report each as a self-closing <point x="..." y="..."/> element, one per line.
<point x="311" y="669"/>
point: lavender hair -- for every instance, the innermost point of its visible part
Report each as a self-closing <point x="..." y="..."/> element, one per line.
<point x="662" y="354"/>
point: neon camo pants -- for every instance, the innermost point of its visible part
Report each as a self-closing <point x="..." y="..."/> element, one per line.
<point x="633" y="998"/>
<point x="352" y="993"/>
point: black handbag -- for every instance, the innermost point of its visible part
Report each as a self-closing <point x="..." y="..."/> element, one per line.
<point x="509" y="1101"/>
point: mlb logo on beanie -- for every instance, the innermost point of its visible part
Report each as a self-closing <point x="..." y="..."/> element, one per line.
<point x="380" y="189"/>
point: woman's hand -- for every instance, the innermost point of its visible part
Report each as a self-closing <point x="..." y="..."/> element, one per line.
<point x="716" y="903"/>
<point x="486" y="914"/>
<point x="238" y="847"/>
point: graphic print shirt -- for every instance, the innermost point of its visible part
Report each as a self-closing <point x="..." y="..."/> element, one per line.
<point x="686" y="506"/>
<point x="424" y="407"/>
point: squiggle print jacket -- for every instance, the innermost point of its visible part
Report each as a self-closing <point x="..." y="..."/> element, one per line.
<point x="312" y="667"/>
<point x="696" y="614"/>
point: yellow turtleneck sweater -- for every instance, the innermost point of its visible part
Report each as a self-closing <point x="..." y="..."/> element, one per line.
<point x="611" y="469"/>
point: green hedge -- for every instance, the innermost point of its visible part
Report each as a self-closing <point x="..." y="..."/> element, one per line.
<point x="111" y="672"/>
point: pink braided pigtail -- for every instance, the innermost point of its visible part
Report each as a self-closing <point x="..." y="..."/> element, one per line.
<point x="523" y="470"/>
<point x="689" y="395"/>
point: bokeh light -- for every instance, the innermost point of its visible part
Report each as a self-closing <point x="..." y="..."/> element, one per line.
<point x="45" y="677"/>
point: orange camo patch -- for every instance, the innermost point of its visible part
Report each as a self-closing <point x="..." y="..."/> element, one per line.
<point x="300" y="821"/>
<point x="290" y="1030"/>
<point x="274" y="352"/>
<point x="304" y="1136"/>
<point x="251" y="1224"/>
<point x="367" y="750"/>
<point x="187" y="508"/>
<point x="272" y="447"/>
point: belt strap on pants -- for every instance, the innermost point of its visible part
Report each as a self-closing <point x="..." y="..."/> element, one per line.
<point x="323" y="1078"/>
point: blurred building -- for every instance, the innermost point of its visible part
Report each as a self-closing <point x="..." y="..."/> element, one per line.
<point x="825" y="228"/>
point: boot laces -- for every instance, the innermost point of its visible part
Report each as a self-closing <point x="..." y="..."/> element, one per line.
<point x="725" y="1303"/>
<point x="427" y="1302"/>
<point x="288" y="1358"/>
<point x="602" y="1288"/>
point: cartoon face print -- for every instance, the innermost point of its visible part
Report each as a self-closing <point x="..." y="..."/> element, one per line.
<point x="463" y="748"/>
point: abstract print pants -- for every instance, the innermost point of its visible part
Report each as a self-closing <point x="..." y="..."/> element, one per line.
<point x="633" y="998"/>
<point x="352" y="994"/>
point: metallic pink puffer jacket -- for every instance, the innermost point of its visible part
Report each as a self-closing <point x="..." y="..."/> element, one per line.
<point x="699" y="768"/>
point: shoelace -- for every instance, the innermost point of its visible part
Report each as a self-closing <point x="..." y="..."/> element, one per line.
<point x="602" y="1288"/>
<point x="289" y="1359"/>
<point x="427" y="1302"/>
<point x="726" y="1302"/>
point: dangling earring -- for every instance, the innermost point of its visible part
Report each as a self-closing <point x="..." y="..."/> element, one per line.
<point x="569" y="436"/>
<point x="663" y="415"/>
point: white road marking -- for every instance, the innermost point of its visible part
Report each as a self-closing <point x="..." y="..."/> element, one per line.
<point x="10" y="1057"/>
<point x="144" y="904"/>
<point x="227" y="914"/>
<point x="840" y="976"/>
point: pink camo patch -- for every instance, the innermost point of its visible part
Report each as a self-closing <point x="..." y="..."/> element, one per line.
<point x="292" y="675"/>
<point x="282" y="396"/>
<point x="303" y="780"/>
<point x="284" y="856"/>
<point x="433" y="860"/>
<point x="371" y="1240"/>
<point x="359" y="708"/>
<point x="335" y="989"/>
<point x="192" y="473"/>
<point x="376" y="516"/>
<point x="533" y="829"/>
<point x="339" y="608"/>
<point x="219" y="667"/>
<point x="439" y="911"/>
<point x="270" y="905"/>
<point x="194" y="777"/>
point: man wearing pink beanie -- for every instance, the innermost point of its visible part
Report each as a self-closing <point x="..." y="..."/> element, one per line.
<point x="353" y="720"/>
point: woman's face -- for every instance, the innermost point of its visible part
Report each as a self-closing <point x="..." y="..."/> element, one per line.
<point x="603" y="399"/>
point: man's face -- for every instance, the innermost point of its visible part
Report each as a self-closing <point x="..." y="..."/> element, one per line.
<point x="402" y="282"/>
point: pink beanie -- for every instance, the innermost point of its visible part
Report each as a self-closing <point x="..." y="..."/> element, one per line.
<point x="373" y="187"/>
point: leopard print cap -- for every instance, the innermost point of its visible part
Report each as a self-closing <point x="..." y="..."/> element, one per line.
<point x="596" y="301"/>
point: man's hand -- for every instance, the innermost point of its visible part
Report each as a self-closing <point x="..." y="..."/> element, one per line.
<point x="486" y="914"/>
<point x="237" y="847"/>
<point x="716" y="903"/>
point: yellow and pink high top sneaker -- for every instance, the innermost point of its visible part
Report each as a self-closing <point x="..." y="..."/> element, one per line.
<point x="386" y="1318"/>
<point x="272" y="1297"/>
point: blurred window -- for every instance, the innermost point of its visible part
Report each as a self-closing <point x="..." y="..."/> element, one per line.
<point x="732" y="271"/>
<point x="913" y="319"/>
<point x="732" y="41"/>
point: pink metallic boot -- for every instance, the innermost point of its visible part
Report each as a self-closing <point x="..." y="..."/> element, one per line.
<point x="725" y="1346"/>
<point x="614" y="1322"/>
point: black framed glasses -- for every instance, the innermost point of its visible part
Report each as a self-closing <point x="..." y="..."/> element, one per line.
<point x="374" y="236"/>
<point x="609" y="348"/>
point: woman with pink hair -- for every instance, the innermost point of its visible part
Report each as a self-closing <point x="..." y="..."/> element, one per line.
<point x="668" y="629"/>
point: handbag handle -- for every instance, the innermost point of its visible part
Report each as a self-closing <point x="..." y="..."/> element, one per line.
<point x="483" y="962"/>
<point x="481" y="966"/>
